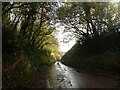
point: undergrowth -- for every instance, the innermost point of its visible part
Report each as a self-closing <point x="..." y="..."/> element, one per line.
<point x="22" y="65"/>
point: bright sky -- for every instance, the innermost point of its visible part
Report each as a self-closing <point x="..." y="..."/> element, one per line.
<point x="65" y="47"/>
<point x="115" y="0"/>
<point x="60" y="35"/>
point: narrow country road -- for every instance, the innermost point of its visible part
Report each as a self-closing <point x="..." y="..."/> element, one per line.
<point x="61" y="76"/>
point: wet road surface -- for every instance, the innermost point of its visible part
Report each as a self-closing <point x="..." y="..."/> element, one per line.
<point x="62" y="76"/>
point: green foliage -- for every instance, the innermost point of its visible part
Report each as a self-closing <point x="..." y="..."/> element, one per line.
<point x="38" y="57"/>
<point x="82" y="58"/>
<point x="31" y="60"/>
<point x="88" y="20"/>
<point x="94" y="25"/>
<point x="27" y="32"/>
<point x="14" y="75"/>
<point x="101" y="43"/>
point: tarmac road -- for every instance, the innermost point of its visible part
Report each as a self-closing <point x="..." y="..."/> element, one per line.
<point x="62" y="76"/>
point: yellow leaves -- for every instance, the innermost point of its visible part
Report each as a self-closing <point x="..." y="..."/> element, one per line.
<point x="56" y="55"/>
<point x="52" y="54"/>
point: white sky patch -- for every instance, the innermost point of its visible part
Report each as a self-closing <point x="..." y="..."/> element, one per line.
<point x="12" y="16"/>
<point x="60" y="35"/>
<point x="115" y="1"/>
<point x="64" y="47"/>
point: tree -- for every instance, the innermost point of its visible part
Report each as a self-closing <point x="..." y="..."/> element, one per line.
<point x="31" y="21"/>
<point x="27" y="24"/>
<point x="88" y="19"/>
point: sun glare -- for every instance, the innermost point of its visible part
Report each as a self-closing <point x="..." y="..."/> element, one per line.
<point x="64" y="47"/>
<point x="60" y="35"/>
